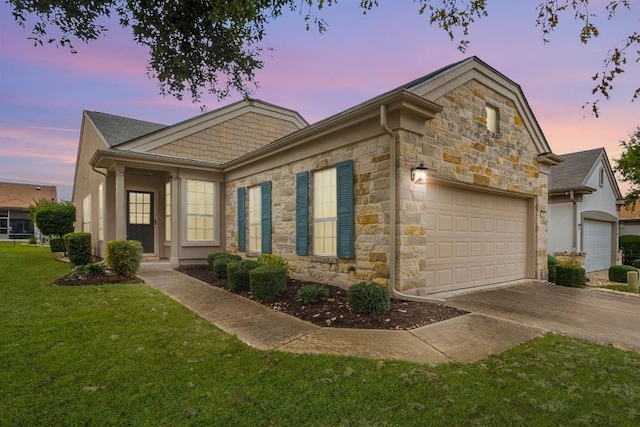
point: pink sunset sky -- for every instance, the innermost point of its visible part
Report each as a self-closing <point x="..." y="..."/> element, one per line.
<point x="43" y="90"/>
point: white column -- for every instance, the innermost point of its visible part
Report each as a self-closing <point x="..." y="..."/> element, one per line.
<point x="121" y="205"/>
<point x="175" y="221"/>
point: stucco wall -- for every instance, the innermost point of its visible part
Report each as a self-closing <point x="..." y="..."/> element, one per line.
<point x="561" y="227"/>
<point x="230" y="139"/>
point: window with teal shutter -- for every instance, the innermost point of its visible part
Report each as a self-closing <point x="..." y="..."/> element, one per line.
<point x="242" y="238"/>
<point x="302" y="213"/>
<point x="344" y="172"/>
<point x="266" y="217"/>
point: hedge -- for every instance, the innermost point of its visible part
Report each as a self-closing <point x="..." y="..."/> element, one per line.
<point x="552" y="262"/>
<point x="268" y="282"/>
<point x="124" y="256"/>
<point x="238" y="274"/>
<point x="630" y="245"/>
<point x="570" y="275"/>
<point x="369" y="298"/>
<point x="78" y="247"/>
<point x="618" y="273"/>
<point x="220" y="264"/>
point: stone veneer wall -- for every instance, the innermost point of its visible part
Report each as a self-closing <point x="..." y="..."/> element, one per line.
<point x="230" y="139"/>
<point x="458" y="147"/>
<point x="371" y="207"/>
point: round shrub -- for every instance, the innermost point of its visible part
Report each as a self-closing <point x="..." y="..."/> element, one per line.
<point x="56" y="244"/>
<point x="552" y="262"/>
<point x="124" y="256"/>
<point x="220" y="265"/>
<point x="618" y="273"/>
<point x="369" y="298"/>
<point x="78" y="247"/>
<point x="570" y="275"/>
<point x="238" y="274"/>
<point x="212" y="257"/>
<point x="313" y="294"/>
<point x="268" y="282"/>
<point x="271" y="259"/>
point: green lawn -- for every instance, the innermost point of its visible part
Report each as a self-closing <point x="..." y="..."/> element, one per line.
<point x="128" y="355"/>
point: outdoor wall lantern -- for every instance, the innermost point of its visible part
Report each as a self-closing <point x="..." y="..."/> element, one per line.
<point x="419" y="174"/>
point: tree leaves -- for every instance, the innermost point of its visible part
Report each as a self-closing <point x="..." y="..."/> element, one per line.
<point x="628" y="165"/>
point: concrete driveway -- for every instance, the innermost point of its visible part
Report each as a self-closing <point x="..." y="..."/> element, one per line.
<point x="595" y="315"/>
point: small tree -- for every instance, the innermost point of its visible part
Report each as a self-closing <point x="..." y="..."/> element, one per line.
<point x="56" y="220"/>
<point x="37" y="205"/>
<point x="628" y="165"/>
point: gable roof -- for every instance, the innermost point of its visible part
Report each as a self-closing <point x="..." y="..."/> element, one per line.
<point x="573" y="173"/>
<point x="13" y="195"/>
<point x="117" y="129"/>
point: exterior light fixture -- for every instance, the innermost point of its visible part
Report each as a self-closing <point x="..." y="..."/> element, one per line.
<point x="419" y="174"/>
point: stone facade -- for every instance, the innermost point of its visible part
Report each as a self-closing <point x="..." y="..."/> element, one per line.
<point x="230" y="139"/>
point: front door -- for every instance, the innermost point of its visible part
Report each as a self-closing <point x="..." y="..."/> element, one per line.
<point x="141" y="219"/>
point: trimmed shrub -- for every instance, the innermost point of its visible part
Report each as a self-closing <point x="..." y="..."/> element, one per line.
<point x="630" y="245"/>
<point x="618" y="273"/>
<point x="215" y="256"/>
<point x="271" y="259"/>
<point x="124" y="256"/>
<point x="552" y="262"/>
<point x="220" y="265"/>
<point x="32" y="240"/>
<point x="369" y="298"/>
<point x="268" y="282"/>
<point x="313" y="294"/>
<point x="78" y="247"/>
<point x="636" y="263"/>
<point x="570" y="275"/>
<point x="56" y="244"/>
<point x="238" y="274"/>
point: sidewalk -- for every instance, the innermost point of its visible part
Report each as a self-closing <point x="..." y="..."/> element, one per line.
<point x="464" y="339"/>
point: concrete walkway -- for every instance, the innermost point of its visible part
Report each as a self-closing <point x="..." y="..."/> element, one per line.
<point x="465" y="338"/>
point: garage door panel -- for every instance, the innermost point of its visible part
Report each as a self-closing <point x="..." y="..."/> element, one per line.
<point x="597" y="244"/>
<point x="478" y="238"/>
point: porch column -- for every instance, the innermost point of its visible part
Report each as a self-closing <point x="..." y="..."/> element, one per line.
<point x="121" y="205"/>
<point x="175" y="221"/>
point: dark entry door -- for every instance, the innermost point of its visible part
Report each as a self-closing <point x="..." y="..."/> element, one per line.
<point x="140" y="219"/>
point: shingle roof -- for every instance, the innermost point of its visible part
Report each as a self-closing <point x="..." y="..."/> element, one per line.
<point x="570" y="174"/>
<point x="14" y="195"/>
<point x="117" y="129"/>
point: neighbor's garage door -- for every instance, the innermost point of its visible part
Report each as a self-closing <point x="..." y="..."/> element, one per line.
<point x="474" y="238"/>
<point x="596" y="237"/>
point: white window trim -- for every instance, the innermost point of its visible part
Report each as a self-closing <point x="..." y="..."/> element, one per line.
<point x="216" y="215"/>
<point x="86" y="214"/>
<point x="254" y="194"/>
<point x="492" y="115"/>
<point x="167" y="212"/>
<point x="317" y="219"/>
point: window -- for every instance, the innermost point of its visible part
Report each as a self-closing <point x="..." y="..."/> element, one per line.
<point x="86" y="214"/>
<point x="601" y="179"/>
<point x="333" y="212"/>
<point x="139" y="208"/>
<point x="200" y="210"/>
<point x="101" y="211"/>
<point x="167" y="211"/>
<point x="325" y="212"/>
<point x="259" y="218"/>
<point x="255" y="219"/>
<point x="493" y="119"/>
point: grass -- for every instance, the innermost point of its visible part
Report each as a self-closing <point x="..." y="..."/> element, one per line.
<point x="619" y="288"/>
<point x="125" y="354"/>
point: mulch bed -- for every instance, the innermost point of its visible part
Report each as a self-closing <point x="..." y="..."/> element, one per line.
<point x="335" y="312"/>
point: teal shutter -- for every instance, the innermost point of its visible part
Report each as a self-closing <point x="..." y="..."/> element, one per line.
<point x="344" y="172"/>
<point x="242" y="227"/>
<point x="265" y="188"/>
<point x="302" y="213"/>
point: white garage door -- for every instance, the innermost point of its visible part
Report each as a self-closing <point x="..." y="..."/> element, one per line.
<point x="474" y="238"/>
<point x="596" y="237"/>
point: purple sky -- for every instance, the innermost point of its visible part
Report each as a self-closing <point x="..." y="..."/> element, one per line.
<point x="43" y="90"/>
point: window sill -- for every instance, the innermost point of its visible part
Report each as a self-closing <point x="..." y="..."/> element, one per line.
<point x="252" y="254"/>
<point x="324" y="259"/>
<point x="196" y="244"/>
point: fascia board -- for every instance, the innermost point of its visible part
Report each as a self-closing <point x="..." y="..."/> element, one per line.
<point x="108" y="158"/>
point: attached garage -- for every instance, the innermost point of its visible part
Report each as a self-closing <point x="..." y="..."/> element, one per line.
<point x="474" y="238"/>
<point x="597" y="244"/>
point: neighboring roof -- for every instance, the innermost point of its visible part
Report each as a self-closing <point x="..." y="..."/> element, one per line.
<point x="117" y="129"/>
<point x="573" y="173"/>
<point x="14" y="195"/>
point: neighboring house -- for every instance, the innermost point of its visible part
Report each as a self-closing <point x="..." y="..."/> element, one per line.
<point x="584" y="200"/>
<point x="14" y="201"/>
<point x="630" y="219"/>
<point x="335" y="198"/>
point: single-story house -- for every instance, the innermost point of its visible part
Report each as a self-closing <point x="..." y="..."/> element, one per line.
<point x="14" y="200"/>
<point x="630" y="219"/>
<point x="584" y="200"/>
<point x="437" y="185"/>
